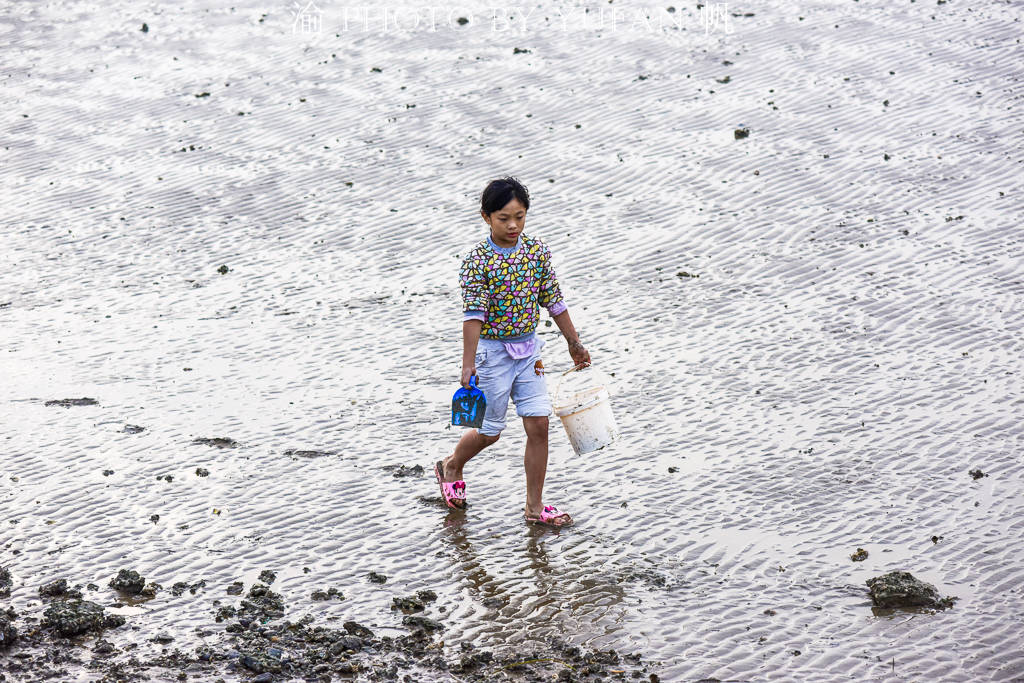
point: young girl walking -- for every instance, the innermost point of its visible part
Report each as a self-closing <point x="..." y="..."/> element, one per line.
<point x="505" y="280"/>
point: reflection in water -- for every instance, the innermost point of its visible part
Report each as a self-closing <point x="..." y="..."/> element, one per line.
<point x="521" y="586"/>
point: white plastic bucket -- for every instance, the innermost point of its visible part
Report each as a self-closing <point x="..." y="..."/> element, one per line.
<point x="586" y="415"/>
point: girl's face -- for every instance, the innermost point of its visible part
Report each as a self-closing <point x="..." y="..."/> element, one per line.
<point x="506" y="223"/>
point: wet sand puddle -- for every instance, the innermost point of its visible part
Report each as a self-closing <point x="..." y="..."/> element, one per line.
<point x="242" y="243"/>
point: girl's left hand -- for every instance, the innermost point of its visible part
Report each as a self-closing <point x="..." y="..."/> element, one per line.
<point x="580" y="355"/>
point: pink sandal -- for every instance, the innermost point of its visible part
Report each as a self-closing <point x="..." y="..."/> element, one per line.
<point x="548" y="516"/>
<point x="451" y="490"/>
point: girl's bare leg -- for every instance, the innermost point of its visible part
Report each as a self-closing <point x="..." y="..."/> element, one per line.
<point x="536" y="462"/>
<point x="471" y="443"/>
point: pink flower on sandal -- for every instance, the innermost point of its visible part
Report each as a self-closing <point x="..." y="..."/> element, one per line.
<point x="551" y="516"/>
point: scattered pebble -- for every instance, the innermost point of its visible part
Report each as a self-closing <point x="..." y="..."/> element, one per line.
<point x="68" y="402"/>
<point x="977" y="474"/>
<point x="374" y="577"/>
<point x="860" y="555"/>
<point x="219" y="442"/>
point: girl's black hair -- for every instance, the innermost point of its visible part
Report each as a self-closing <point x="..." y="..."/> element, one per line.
<point x="500" y="192"/>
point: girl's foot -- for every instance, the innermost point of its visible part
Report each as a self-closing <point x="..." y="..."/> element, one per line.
<point x="448" y="470"/>
<point x="453" y="492"/>
<point x="549" y="515"/>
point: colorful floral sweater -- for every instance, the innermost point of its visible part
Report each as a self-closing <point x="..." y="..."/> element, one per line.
<point x="509" y="285"/>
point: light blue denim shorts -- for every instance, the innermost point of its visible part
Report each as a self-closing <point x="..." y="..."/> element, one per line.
<point x="500" y="377"/>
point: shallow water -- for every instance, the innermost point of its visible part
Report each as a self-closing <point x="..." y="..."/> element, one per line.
<point x="850" y="349"/>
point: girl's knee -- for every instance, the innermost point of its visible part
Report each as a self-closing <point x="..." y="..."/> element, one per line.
<point x="488" y="439"/>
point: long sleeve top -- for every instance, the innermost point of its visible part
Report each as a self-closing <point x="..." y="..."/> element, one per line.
<point x="505" y="288"/>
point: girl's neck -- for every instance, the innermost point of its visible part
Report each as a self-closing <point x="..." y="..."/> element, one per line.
<point x="501" y="249"/>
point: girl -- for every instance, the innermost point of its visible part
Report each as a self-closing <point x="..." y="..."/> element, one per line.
<point x="505" y="279"/>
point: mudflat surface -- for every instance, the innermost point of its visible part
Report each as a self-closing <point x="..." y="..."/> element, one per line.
<point x="818" y="326"/>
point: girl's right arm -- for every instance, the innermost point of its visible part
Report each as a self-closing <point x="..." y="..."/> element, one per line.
<point x="470" y="338"/>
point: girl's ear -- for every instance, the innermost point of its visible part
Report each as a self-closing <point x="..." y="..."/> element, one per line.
<point x="487" y="218"/>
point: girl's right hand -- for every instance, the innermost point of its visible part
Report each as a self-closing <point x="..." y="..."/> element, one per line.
<point x="467" y="372"/>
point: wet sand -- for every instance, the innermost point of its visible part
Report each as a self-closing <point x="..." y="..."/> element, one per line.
<point x="818" y="326"/>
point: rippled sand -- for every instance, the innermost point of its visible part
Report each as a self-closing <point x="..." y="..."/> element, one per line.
<point x="850" y="349"/>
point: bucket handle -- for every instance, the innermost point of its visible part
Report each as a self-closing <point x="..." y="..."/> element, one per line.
<point x="563" y="374"/>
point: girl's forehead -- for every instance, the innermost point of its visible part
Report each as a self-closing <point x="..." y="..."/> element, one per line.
<point x="513" y="206"/>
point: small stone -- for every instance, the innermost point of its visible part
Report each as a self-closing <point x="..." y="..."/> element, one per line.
<point x="860" y="555"/>
<point x="107" y="473"/>
<point x="58" y="589"/>
<point x="977" y="474"/>
<point x="128" y="581"/>
<point x="357" y="629"/>
<point x="236" y="588"/>
<point x="268" y="577"/>
<point x="426" y="595"/>
<point x="202" y="472"/>
<point x="423" y="623"/>
<point x="145" y="28"/>
<point x="5" y="582"/>
<point x="374" y="577"/>
<point x="739" y="134"/>
<point x="223" y="270"/>
<point x="104" y="647"/>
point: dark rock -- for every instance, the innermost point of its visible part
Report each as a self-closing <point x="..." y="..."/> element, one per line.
<point x="520" y="51"/>
<point x="260" y="663"/>
<point x="150" y="590"/>
<point x="236" y="588"/>
<point x="133" y="429"/>
<point x="162" y="638"/>
<point x="977" y="474"/>
<point x="741" y="133"/>
<point x="262" y="603"/>
<point x="322" y="595"/>
<point x="75" y="617"/>
<point x="423" y="623"/>
<point x="58" y="589"/>
<point x="107" y="473"/>
<point x="263" y="678"/>
<point x="219" y="442"/>
<point x="476" y="659"/>
<point x="181" y="586"/>
<point x="128" y="581"/>
<point x="145" y="28"/>
<point x="5" y="582"/>
<point x="901" y="589"/>
<point x="357" y="629"/>
<point x="860" y="555"/>
<point x="268" y="577"/>
<point x="426" y="595"/>
<point x="202" y="472"/>
<point x="346" y="643"/>
<point x="104" y="647"/>
<point x="223" y="270"/>
<point x="409" y="604"/>
<point x="308" y="454"/>
<point x="8" y="633"/>
<point x="68" y="402"/>
<point x="374" y="577"/>
<point x="401" y="471"/>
